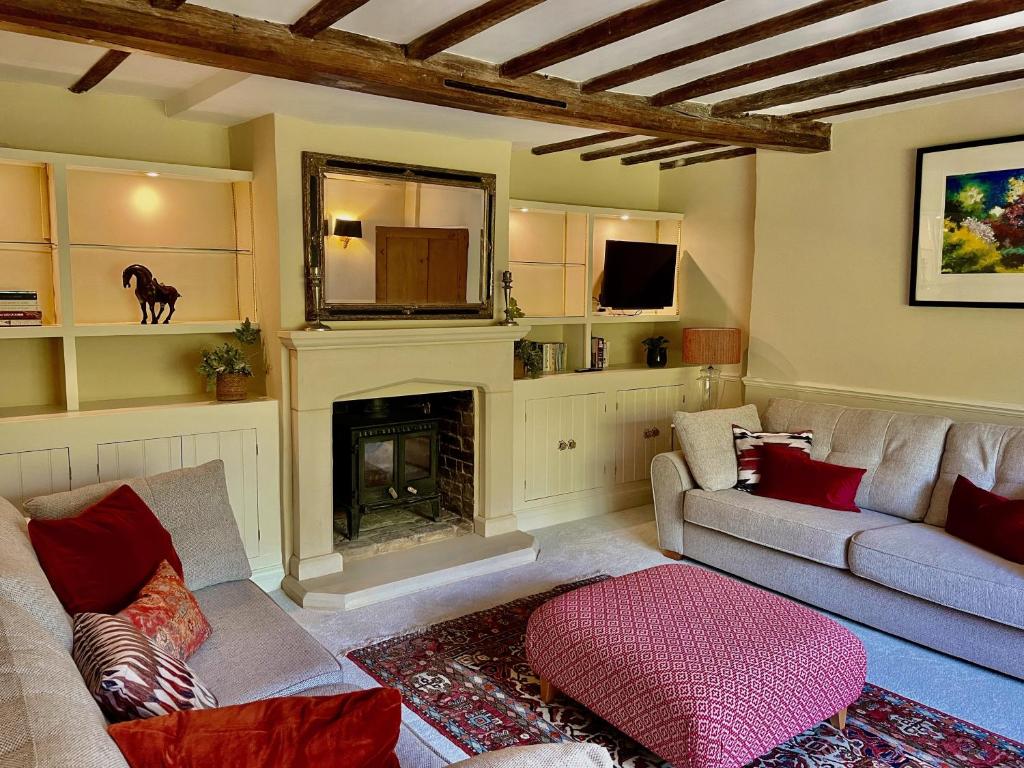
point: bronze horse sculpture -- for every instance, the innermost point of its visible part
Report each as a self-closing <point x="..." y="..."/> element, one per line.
<point x="149" y="292"/>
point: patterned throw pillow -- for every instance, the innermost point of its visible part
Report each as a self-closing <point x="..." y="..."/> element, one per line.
<point x="748" y="451"/>
<point x="167" y="613"/>
<point x="130" y="677"/>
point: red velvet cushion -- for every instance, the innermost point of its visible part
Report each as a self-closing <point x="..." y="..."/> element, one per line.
<point x="353" y="730"/>
<point x="987" y="520"/>
<point x="792" y="476"/>
<point x="99" y="560"/>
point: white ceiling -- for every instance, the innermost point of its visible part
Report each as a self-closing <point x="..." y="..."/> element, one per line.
<point x="60" y="63"/>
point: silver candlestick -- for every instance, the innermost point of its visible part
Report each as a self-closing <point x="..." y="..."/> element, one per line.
<point x="316" y="279"/>
<point x="506" y="288"/>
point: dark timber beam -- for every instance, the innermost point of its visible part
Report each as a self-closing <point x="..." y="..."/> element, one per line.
<point x="167" y="5"/>
<point x="338" y="59"/>
<point x="465" y="26"/>
<point x="711" y="157"/>
<point x="919" y="93"/>
<point x="583" y="141"/>
<point x="107" y="63"/>
<point x="325" y="14"/>
<point x="626" y="149"/>
<point x="605" y="32"/>
<point x="668" y="154"/>
<point x="777" y="25"/>
<point x="983" y="48"/>
<point x="849" y="45"/>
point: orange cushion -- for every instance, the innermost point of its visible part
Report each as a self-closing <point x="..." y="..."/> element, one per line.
<point x="352" y="730"/>
<point x="167" y="613"/>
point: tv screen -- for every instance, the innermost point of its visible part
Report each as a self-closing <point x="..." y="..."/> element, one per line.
<point x="638" y="275"/>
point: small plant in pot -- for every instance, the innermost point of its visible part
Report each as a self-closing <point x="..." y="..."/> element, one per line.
<point x="227" y="367"/>
<point x="657" y="354"/>
<point x="529" y="359"/>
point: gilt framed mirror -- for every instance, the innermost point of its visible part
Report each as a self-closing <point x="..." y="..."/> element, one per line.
<point x="391" y="241"/>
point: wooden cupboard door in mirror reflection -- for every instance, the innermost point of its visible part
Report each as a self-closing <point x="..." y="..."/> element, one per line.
<point x="419" y="265"/>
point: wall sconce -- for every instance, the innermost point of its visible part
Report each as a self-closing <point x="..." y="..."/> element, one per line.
<point x="346" y="230"/>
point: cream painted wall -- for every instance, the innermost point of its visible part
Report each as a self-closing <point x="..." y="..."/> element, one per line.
<point x="55" y="120"/>
<point x="718" y="244"/>
<point x="833" y="238"/>
<point x="564" y="178"/>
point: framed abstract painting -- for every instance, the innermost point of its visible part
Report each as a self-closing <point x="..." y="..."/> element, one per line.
<point x="968" y="247"/>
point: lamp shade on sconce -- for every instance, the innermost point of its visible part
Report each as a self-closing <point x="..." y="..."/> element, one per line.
<point x="343" y="228"/>
<point x="711" y="346"/>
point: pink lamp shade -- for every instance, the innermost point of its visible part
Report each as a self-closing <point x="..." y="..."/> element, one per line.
<point x="711" y="346"/>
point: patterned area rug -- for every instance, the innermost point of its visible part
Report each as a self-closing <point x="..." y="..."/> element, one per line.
<point x="469" y="678"/>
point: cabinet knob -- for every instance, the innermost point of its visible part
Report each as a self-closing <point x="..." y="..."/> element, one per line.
<point x="562" y="445"/>
<point x="655" y="432"/>
<point x="392" y="493"/>
<point x="412" y="490"/>
<point x="572" y="445"/>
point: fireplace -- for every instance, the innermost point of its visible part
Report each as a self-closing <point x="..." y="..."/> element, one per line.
<point x="385" y="457"/>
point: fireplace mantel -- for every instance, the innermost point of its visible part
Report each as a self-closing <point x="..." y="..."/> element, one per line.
<point x="324" y="367"/>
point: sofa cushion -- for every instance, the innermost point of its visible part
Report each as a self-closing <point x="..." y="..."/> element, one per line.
<point x="900" y="451"/>
<point x="47" y="717"/>
<point x="191" y="503"/>
<point x="989" y="455"/>
<point x="706" y="440"/>
<point x="821" y="535"/>
<point x="925" y="561"/>
<point x="22" y="581"/>
<point x="256" y="650"/>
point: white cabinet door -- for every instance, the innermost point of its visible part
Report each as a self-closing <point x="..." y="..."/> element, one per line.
<point x="565" y="447"/>
<point x="137" y="458"/>
<point x="34" y="473"/>
<point x="644" y="419"/>
<point x="238" y="450"/>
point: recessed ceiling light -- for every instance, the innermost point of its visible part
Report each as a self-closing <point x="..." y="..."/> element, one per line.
<point x="624" y="217"/>
<point x="524" y="210"/>
<point x="152" y="174"/>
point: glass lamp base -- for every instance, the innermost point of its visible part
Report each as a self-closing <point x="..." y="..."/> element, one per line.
<point x="710" y="381"/>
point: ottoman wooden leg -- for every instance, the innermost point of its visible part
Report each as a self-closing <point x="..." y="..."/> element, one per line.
<point x="671" y="555"/>
<point x="548" y="692"/>
<point x="838" y="720"/>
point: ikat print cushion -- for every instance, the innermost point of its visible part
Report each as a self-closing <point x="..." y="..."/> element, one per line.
<point x="748" y="451"/>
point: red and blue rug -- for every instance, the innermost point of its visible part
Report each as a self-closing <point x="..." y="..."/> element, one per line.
<point x="469" y="679"/>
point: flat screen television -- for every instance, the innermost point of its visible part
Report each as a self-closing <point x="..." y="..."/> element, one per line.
<point x="638" y="275"/>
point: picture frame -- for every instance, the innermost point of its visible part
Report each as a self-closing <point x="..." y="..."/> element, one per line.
<point x="968" y="241"/>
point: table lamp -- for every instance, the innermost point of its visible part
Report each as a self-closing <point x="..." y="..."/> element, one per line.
<point x="708" y="347"/>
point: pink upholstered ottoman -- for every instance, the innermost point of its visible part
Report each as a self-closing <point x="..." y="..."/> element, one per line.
<point x="704" y="671"/>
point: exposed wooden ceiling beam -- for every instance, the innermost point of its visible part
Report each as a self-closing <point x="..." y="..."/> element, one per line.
<point x="849" y="45"/>
<point x="352" y="62"/>
<point x="626" y="149"/>
<point x="668" y="154"/>
<point x="982" y="48"/>
<point x="708" y="158"/>
<point x="167" y="5"/>
<point x="583" y="141"/>
<point x="631" y="22"/>
<point x="323" y="15"/>
<point x="465" y="26"/>
<point x="918" y="93"/>
<point x="777" y="25"/>
<point x="107" y="63"/>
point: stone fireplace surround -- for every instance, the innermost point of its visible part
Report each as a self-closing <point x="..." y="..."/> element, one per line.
<point x="324" y="367"/>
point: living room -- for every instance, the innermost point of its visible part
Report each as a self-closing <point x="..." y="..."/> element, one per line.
<point x="519" y="383"/>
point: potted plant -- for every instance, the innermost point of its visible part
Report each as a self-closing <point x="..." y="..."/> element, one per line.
<point x="657" y="354"/>
<point x="529" y="359"/>
<point x="227" y="367"/>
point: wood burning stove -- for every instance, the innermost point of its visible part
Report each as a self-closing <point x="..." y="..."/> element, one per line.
<point x="385" y="456"/>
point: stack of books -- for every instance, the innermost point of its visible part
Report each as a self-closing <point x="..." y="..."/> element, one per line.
<point x="598" y="352"/>
<point x="553" y="356"/>
<point x="20" y="308"/>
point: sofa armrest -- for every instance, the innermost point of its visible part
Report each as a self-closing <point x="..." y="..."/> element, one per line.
<point x="566" y="755"/>
<point x="670" y="480"/>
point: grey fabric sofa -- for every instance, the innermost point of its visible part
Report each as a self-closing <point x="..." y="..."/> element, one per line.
<point x="256" y="651"/>
<point x="893" y="566"/>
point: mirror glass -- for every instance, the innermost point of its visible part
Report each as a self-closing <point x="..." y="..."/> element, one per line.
<point x="400" y="241"/>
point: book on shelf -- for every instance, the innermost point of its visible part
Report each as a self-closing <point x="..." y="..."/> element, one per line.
<point x="552" y="357"/>
<point x="19" y="296"/>
<point x="598" y="352"/>
<point x="18" y="323"/>
<point x="18" y="308"/>
<point x="20" y="314"/>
